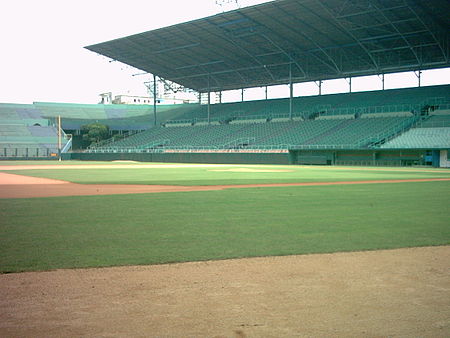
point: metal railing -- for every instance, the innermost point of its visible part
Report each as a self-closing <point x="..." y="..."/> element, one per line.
<point x="239" y="142"/>
<point x="113" y="139"/>
<point x="222" y="148"/>
<point x="68" y="146"/>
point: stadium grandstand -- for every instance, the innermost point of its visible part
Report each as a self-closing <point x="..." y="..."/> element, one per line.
<point x="281" y="42"/>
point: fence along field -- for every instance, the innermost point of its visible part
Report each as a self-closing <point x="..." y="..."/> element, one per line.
<point x="92" y="231"/>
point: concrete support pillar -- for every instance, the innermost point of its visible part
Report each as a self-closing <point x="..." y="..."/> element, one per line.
<point x="419" y="76"/>
<point x="291" y="92"/>
<point x="154" y="99"/>
<point x="209" y="101"/>
<point x="209" y="107"/>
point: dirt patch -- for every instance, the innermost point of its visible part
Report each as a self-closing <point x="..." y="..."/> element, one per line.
<point x="388" y="293"/>
<point x="19" y="186"/>
<point x="13" y="179"/>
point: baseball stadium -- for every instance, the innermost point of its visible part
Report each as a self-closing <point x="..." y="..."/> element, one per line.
<point x="321" y="215"/>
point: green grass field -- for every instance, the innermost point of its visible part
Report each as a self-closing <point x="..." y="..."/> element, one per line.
<point x="226" y="174"/>
<point x="92" y="231"/>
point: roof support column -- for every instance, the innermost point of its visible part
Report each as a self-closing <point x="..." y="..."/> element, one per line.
<point x="382" y="81"/>
<point x="242" y="95"/>
<point x="266" y="93"/>
<point x="419" y="76"/>
<point x="291" y="92"/>
<point x="209" y="102"/>
<point x="154" y="99"/>
<point x="319" y="84"/>
<point x="209" y="107"/>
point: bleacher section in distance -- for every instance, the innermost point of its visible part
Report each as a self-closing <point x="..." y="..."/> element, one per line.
<point x="29" y="130"/>
<point x="24" y="132"/>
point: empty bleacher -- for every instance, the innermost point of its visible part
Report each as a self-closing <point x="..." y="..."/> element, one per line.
<point x="395" y="102"/>
<point x="338" y="121"/>
<point x="312" y="134"/>
<point x="431" y="133"/>
<point x="17" y="140"/>
<point x="30" y="128"/>
<point x="436" y="121"/>
<point x="24" y="132"/>
<point x="421" y="138"/>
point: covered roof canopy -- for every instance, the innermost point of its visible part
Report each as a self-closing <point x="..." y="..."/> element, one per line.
<point x="302" y="40"/>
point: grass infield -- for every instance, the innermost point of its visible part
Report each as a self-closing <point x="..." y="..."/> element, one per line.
<point x="93" y="231"/>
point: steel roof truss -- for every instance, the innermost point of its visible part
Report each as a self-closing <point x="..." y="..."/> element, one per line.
<point x="239" y="46"/>
<point x="403" y="37"/>
<point x="349" y="33"/>
<point x="333" y="64"/>
<point x="223" y="54"/>
<point x="431" y="32"/>
<point x="276" y="45"/>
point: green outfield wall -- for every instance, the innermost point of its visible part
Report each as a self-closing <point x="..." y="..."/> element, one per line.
<point x="362" y="157"/>
<point x="228" y="158"/>
<point x="383" y="157"/>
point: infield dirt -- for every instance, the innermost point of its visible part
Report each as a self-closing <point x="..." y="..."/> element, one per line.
<point x="392" y="293"/>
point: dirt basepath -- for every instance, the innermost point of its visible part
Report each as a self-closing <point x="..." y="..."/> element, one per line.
<point x="392" y="293"/>
<point x="19" y="186"/>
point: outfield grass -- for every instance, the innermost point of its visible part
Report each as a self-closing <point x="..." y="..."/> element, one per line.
<point x="91" y="231"/>
<point x="200" y="175"/>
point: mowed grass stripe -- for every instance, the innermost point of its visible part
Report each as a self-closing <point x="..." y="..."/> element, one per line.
<point x="208" y="176"/>
<point x="94" y="231"/>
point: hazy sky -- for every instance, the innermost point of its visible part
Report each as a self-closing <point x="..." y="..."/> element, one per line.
<point x="41" y="41"/>
<point x="41" y="45"/>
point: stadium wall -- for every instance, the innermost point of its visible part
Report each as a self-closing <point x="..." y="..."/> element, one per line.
<point x="391" y="158"/>
<point x="220" y="158"/>
<point x="360" y="157"/>
<point x="396" y="158"/>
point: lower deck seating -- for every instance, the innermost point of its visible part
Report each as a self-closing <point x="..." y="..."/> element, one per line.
<point x="355" y="133"/>
<point x="426" y="138"/>
<point x="436" y="121"/>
